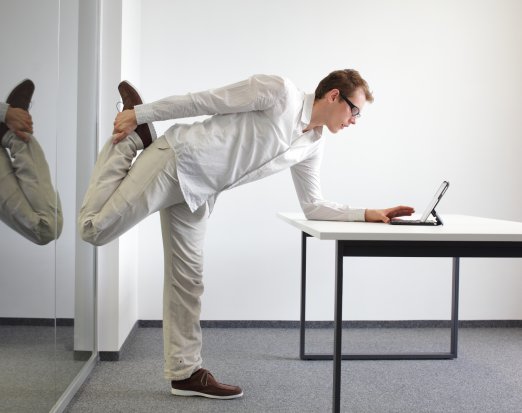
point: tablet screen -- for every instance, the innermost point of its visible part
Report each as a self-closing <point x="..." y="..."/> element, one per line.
<point x="438" y="195"/>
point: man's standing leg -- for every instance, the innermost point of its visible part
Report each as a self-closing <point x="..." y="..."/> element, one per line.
<point x="183" y="238"/>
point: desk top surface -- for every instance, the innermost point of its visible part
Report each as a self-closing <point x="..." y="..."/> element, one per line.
<point x="455" y="228"/>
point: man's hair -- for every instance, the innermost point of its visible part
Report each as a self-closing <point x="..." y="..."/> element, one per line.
<point x="347" y="81"/>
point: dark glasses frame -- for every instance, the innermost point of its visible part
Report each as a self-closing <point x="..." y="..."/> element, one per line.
<point x="356" y="112"/>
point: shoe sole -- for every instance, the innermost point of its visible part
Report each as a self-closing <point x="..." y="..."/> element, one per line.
<point x="132" y="87"/>
<point x="188" y="393"/>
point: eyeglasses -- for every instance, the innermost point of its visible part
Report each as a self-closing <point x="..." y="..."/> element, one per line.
<point x="356" y="113"/>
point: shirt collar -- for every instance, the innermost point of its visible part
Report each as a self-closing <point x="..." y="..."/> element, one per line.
<point x="306" y="114"/>
<point x="308" y="103"/>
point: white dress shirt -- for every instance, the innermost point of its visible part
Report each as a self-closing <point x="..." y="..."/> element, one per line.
<point x="3" y="111"/>
<point x="255" y="130"/>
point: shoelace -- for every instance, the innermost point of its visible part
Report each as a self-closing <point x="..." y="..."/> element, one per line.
<point x="204" y="377"/>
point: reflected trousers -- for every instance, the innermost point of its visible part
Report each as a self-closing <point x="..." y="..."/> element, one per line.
<point x="122" y="193"/>
<point x="28" y="201"/>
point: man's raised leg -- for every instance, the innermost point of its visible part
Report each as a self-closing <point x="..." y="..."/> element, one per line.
<point x="121" y="195"/>
<point x="28" y="201"/>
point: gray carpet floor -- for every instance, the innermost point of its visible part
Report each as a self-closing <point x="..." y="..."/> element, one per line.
<point x="486" y="376"/>
<point x="37" y="364"/>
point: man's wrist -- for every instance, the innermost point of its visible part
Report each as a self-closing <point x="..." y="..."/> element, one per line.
<point x="143" y="114"/>
<point x="3" y="111"/>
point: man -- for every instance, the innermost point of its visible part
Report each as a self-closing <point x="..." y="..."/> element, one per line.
<point x="256" y="127"/>
<point x="28" y="201"/>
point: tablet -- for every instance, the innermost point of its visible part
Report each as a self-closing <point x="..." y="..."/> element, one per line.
<point x="430" y="210"/>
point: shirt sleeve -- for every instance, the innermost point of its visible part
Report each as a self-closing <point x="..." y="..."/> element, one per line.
<point x="3" y="111"/>
<point x="258" y="92"/>
<point x="306" y="177"/>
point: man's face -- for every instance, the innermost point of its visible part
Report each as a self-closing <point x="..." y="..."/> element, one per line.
<point x="341" y="115"/>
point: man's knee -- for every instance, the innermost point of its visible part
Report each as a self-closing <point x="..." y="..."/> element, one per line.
<point x="88" y="233"/>
<point x="47" y="230"/>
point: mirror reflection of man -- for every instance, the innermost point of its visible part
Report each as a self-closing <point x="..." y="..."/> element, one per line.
<point x="28" y="201"/>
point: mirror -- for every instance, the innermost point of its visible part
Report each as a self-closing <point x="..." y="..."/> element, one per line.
<point x="47" y="283"/>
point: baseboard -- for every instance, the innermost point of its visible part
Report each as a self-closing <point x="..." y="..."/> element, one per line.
<point x="81" y="355"/>
<point x="40" y="322"/>
<point x="346" y="324"/>
<point x="69" y="322"/>
<point x="115" y="355"/>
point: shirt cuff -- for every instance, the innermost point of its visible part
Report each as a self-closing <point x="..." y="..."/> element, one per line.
<point x="358" y="214"/>
<point x="3" y="111"/>
<point x="144" y="113"/>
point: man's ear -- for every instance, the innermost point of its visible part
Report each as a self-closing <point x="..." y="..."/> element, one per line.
<point x="332" y="95"/>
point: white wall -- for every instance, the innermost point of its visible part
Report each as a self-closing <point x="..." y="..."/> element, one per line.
<point x="447" y="85"/>
<point x="128" y="252"/>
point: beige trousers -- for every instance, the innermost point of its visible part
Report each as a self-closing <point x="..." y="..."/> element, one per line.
<point x="28" y="201"/>
<point x="119" y="196"/>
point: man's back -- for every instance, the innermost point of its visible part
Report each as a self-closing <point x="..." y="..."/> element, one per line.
<point x="252" y="123"/>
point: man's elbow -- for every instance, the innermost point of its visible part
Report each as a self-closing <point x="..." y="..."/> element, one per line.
<point x="310" y="212"/>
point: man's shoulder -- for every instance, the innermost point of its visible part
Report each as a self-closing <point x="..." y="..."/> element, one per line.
<point x="280" y="93"/>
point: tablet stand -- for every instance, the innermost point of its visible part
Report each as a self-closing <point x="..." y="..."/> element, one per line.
<point x="438" y="219"/>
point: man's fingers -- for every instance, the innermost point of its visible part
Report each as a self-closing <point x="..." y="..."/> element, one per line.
<point x="403" y="209"/>
<point x="399" y="211"/>
<point x="118" y="136"/>
<point x="22" y="135"/>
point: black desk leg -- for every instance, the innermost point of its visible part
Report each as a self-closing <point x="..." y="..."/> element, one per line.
<point x="304" y="235"/>
<point x="455" y="307"/>
<point x="338" y="326"/>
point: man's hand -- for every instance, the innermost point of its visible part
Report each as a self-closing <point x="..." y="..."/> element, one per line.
<point x="20" y="122"/>
<point x="384" y="215"/>
<point x="124" y="124"/>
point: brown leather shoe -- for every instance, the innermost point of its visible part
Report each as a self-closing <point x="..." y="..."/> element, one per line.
<point x="20" y="97"/>
<point x="131" y="98"/>
<point x="202" y="383"/>
<point x="3" y="130"/>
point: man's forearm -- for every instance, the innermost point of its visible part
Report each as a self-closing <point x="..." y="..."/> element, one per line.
<point x="258" y="92"/>
<point x="332" y="211"/>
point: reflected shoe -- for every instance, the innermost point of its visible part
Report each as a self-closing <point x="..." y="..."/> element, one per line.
<point x="131" y="98"/>
<point x="3" y="130"/>
<point x="20" y="97"/>
<point x="202" y="383"/>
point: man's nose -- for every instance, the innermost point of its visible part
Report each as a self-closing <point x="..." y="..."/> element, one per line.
<point x="353" y="120"/>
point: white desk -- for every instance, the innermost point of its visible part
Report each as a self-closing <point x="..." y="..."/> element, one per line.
<point x="460" y="236"/>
